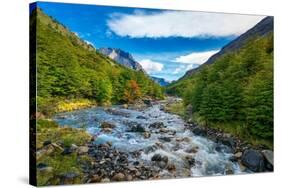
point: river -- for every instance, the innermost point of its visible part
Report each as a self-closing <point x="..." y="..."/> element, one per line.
<point x="165" y="134"/>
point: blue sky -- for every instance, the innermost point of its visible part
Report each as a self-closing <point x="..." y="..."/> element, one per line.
<point x="166" y="43"/>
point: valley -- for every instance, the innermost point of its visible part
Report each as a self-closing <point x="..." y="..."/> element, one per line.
<point x="100" y="117"/>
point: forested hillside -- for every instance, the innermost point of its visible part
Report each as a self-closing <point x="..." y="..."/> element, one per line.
<point x="68" y="69"/>
<point x="235" y="93"/>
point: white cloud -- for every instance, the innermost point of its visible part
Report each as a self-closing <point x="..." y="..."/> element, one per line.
<point x="195" y="57"/>
<point x="151" y="66"/>
<point x="181" y="23"/>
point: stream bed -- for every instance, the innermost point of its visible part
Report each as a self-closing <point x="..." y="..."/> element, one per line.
<point x="159" y="138"/>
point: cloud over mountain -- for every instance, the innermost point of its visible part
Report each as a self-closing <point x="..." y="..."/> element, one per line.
<point x="195" y="57"/>
<point x="151" y="66"/>
<point x="180" y="24"/>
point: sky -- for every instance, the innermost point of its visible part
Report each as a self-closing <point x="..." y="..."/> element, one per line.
<point x="166" y="43"/>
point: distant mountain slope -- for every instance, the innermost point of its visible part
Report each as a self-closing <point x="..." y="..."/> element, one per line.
<point x="122" y="57"/>
<point x="233" y="90"/>
<point x="260" y="29"/>
<point x="69" y="68"/>
<point x="160" y="81"/>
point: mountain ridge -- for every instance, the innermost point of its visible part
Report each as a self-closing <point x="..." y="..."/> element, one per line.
<point x="122" y="57"/>
<point x="260" y="29"/>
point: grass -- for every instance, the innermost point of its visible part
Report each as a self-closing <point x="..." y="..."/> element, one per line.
<point x="237" y="129"/>
<point x="49" y="130"/>
<point x="176" y="108"/>
<point x="60" y="164"/>
<point x="52" y="105"/>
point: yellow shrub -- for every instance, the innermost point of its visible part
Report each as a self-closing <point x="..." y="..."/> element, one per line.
<point x="64" y="106"/>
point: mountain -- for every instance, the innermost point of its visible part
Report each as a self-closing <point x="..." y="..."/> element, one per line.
<point x="233" y="90"/>
<point x="122" y="57"/>
<point x="68" y="69"/>
<point x="160" y="81"/>
<point x="260" y="29"/>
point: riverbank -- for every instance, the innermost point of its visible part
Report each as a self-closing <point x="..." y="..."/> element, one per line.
<point x="255" y="155"/>
<point x="131" y="142"/>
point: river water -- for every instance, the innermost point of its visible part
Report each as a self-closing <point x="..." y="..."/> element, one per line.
<point x="173" y="139"/>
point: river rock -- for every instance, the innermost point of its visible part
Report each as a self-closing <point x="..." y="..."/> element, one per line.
<point x="190" y="159"/>
<point x="47" y="150"/>
<point x="165" y="159"/>
<point x="171" y="167"/>
<point x="151" y="148"/>
<point x="238" y="155"/>
<point x="162" y="164"/>
<point x="199" y="131"/>
<point x="192" y="150"/>
<point x="253" y="160"/>
<point x="147" y="102"/>
<point x="180" y="139"/>
<point x="164" y="130"/>
<point x="137" y="128"/>
<point x="129" y="178"/>
<point x="107" y="125"/>
<point x="268" y="155"/>
<point x="141" y="117"/>
<point x="105" y="180"/>
<point x="42" y="167"/>
<point x="107" y="130"/>
<point x="119" y="177"/>
<point x="57" y="147"/>
<point x="228" y="141"/>
<point x="146" y="135"/>
<point x="95" y="178"/>
<point x="156" y="125"/>
<point x="69" y="178"/>
<point x="117" y="112"/>
<point x="161" y="161"/>
<point x="82" y="150"/>
<point x="156" y="157"/>
<point x="165" y="139"/>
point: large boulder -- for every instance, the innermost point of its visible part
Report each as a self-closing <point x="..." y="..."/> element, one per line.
<point x="253" y="160"/>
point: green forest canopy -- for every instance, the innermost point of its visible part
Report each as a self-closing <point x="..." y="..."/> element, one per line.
<point x="236" y="89"/>
<point x="68" y="68"/>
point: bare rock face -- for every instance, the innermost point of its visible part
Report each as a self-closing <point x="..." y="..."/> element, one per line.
<point x="121" y="57"/>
